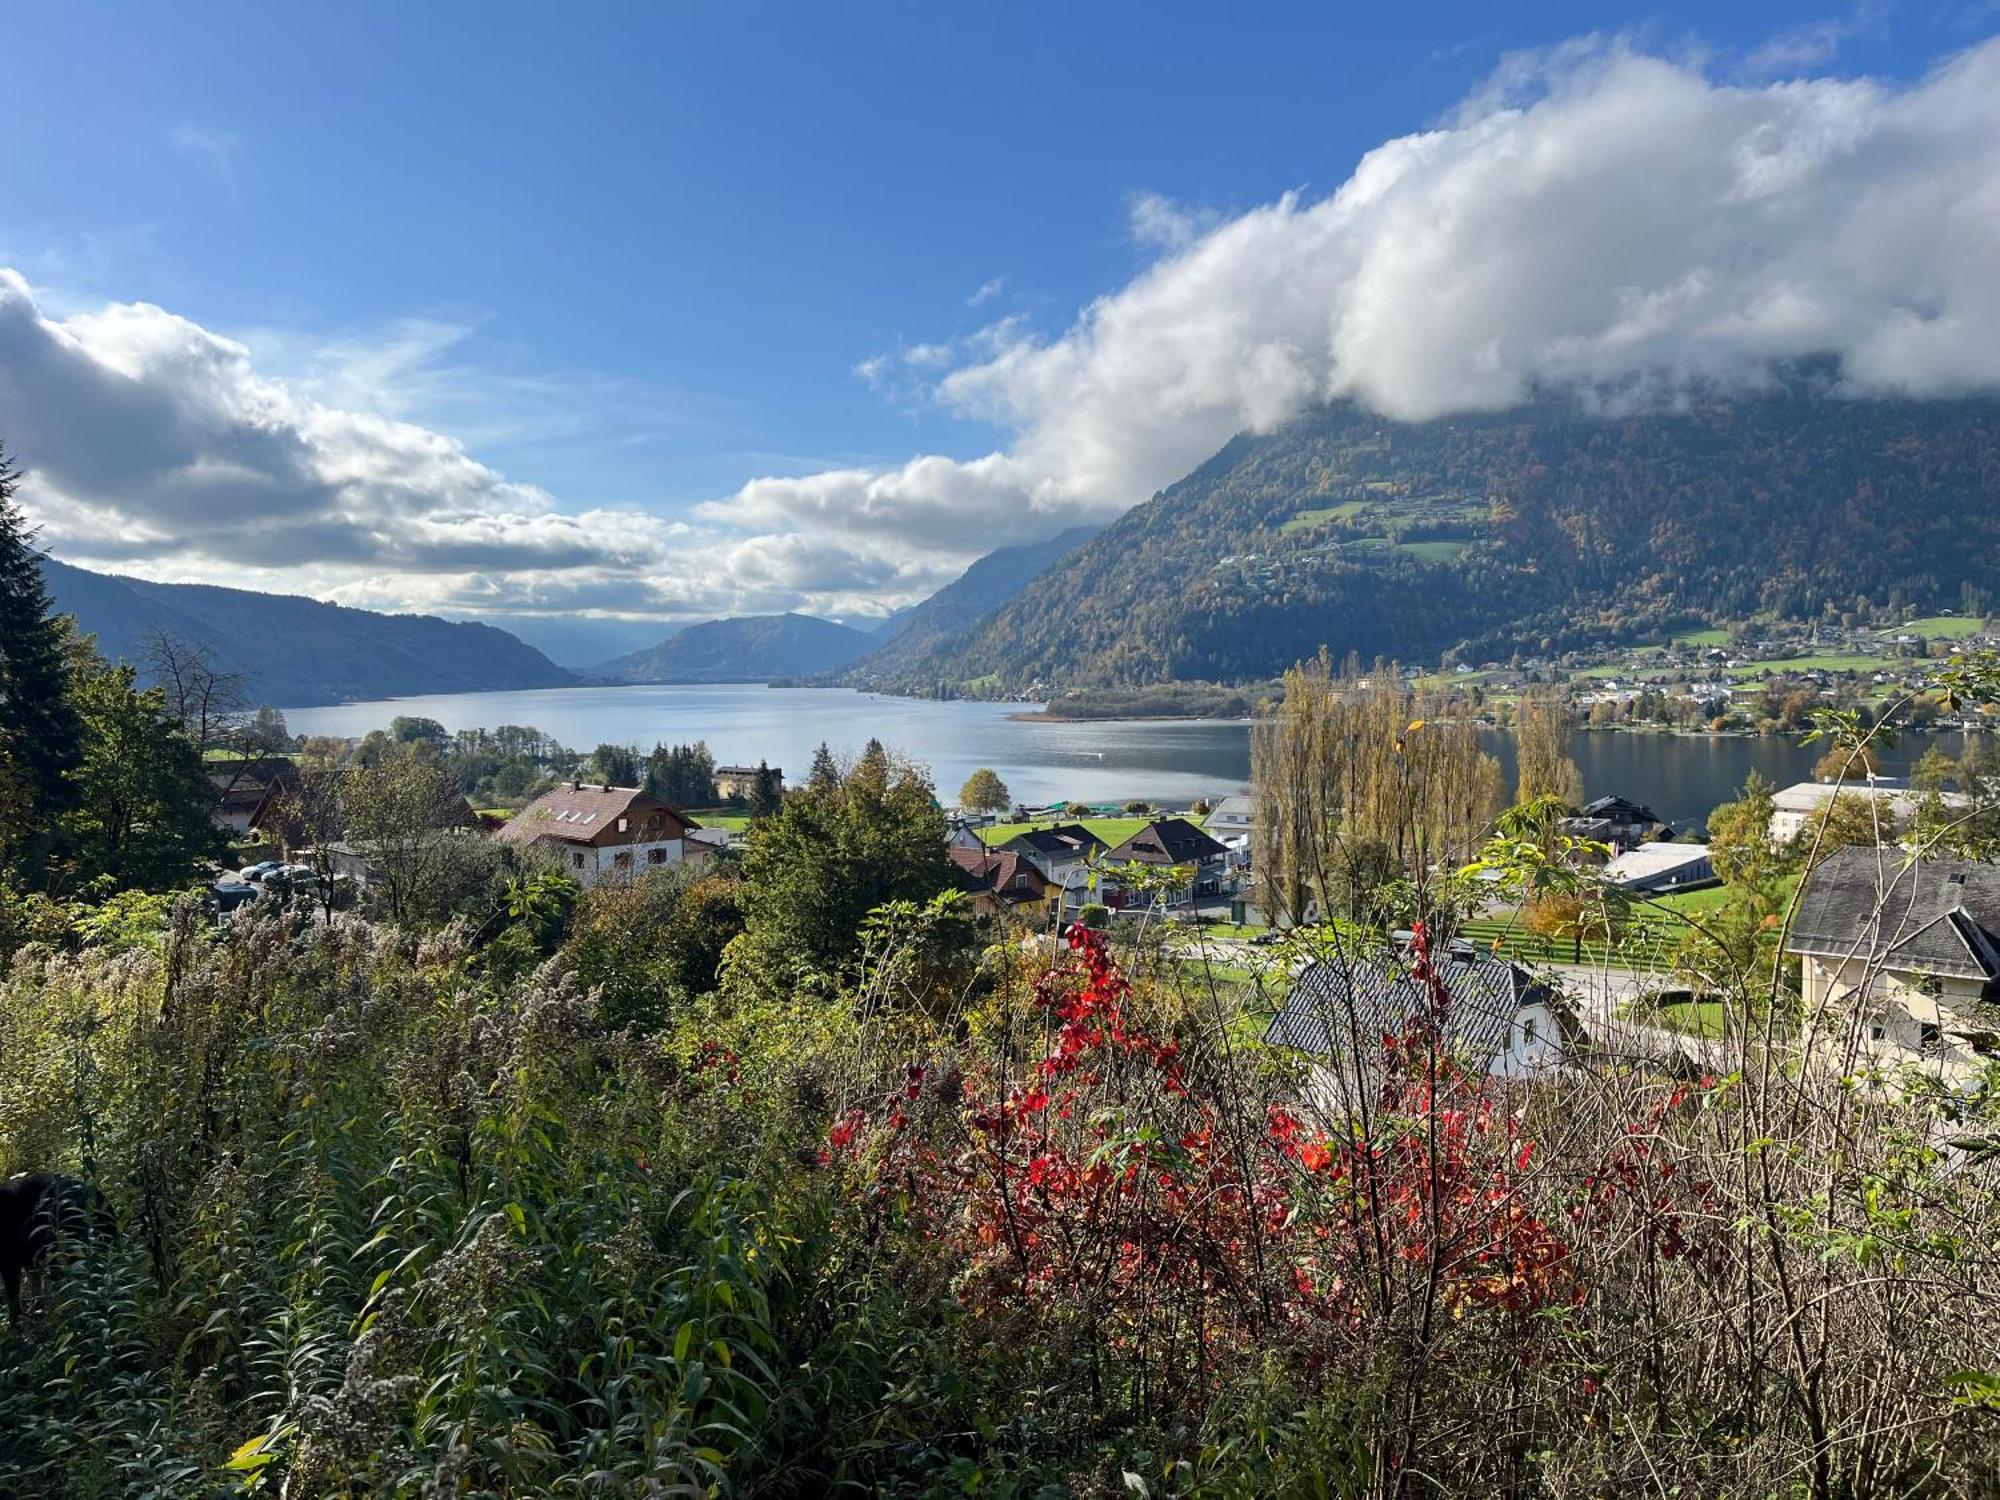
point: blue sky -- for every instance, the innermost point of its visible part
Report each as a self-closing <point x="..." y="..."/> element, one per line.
<point x="633" y="257"/>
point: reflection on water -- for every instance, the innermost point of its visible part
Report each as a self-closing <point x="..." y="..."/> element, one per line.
<point x="1680" y="777"/>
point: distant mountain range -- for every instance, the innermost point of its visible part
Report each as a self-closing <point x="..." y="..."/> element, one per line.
<point x="294" y="651"/>
<point x="748" y="648"/>
<point x="793" y="647"/>
<point x="1529" y="530"/>
<point x="1480" y="536"/>
<point x="580" y="641"/>
<point x="914" y="635"/>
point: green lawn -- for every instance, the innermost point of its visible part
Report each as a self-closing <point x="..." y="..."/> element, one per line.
<point x="1705" y="1018"/>
<point x="1812" y="664"/>
<point x="729" y="822"/>
<point x="1432" y="552"/>
<point x="1114" y="831"/>
<point x="1306" y="520"/>
<point x="1938" y="627"/>
<point x="1703" y="638"/>
<point x="1700" y="903"/>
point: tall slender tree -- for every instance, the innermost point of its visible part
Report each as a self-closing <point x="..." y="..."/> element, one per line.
<point x="40" y="732"/>
<point x="1541" y="745"/>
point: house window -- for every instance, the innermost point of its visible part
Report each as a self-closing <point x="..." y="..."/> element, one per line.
<point x="1875" y="1033"/>
<point x="1529" y="1029"/>
<point x="1928" y="1036"/>
<point x="622" y="860"/>
<point x="656" y="856"/>
<point x="578" y="857"/>
<point x="623" y="824"/>
<point x="1930" y="986"/>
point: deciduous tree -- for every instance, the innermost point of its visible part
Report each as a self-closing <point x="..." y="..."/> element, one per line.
<point x="984" y="791"/>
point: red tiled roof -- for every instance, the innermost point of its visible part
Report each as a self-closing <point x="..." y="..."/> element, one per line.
<point x="996" y="871"/>
<point x="588" y="813"/>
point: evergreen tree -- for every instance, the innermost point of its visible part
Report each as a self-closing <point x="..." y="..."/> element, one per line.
<point x="825" y="774"/>
<point x="40" y="734"/>
<point x="615" y="765"/>
<point x="768" y="792"/>
<point x="816" y="868"/>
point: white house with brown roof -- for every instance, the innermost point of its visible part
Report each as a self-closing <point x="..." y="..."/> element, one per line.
<point x="600" y="832"/>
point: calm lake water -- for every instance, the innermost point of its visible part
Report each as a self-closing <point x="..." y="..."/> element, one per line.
<point x="1679" y="777"/>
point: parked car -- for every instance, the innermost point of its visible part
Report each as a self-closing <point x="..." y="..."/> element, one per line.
<point x="260" y="871"/>
<point x="229" y="893"/>
<point x="293" y="880"/>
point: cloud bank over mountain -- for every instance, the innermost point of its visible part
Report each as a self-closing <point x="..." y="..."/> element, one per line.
<point x="1593" y="217"/>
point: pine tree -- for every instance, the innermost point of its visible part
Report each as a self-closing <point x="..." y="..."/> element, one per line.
<point x="40" y="732"/>
<point x="825" y="774"/>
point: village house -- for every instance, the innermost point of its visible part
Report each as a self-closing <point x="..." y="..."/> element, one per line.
<point x="1000" y="882"/>
<point x="1169" y="843"/>
<point x="598" y="832"/>
<point x="1062" y="852"/>
<point x="1909" y="949"/>
<point x="740" y="782"/>
<point x="1799" y="808"/>
<point x="246" y="791"/>
<point x="1501" y="1019"/>
<point x="1231" y="816"/>
<point x="1617" y="822"/>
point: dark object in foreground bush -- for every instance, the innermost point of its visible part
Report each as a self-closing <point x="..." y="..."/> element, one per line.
<point x="33" y="1211"/>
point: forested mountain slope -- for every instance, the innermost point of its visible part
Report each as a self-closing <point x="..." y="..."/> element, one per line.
<point x="975" y="595"/>
<point x="293" y="650"/>
<point x="1528" y="530"/>
<point x="748" y="648"/>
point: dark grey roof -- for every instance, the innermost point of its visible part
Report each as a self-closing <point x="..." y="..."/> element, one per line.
<point x="1937" y="916"/>
<point x="1486" y="993"/>
<point x="1064" y="838"/>
<point x="1169" y="841"/>
<point x="1604" y="807"/>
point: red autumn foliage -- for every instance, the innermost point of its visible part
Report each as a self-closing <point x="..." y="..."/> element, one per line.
<point x="1120" y="1180"/>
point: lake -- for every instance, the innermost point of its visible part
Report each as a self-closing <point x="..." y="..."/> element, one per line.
<point x="1681" y="777"/>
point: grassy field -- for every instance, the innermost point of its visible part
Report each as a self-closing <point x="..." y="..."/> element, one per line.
<point x="1114" y="831"/>
<point x="1702" y="638"/>
<point x="1647" y="947"/>
<point x="1703" y="1018"/>
<point x="1938" y="627"/>
<point x="1700" y="903"/>
<point x="1307" y="520"/>
<point x="1432" y="552"/>
<point x="732" y="822"/>
<point x="1811" y="664"/>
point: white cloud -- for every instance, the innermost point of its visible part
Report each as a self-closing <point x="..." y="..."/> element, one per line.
<point x="215" y="147"/>
<point x="1814" y="44"/>
<point x="1591" y="216"/>
<point x="1159" y="223"/>
<point x="987" y="291"/>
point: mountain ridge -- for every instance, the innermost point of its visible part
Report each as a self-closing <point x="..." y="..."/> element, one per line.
<point x="975" y="595"/>
<point x="742" y="648"/>
<point x="294" y="651"/>
<point x="1534" y="529"/>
